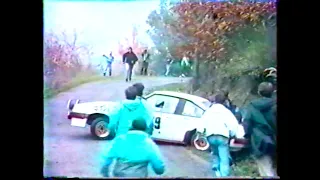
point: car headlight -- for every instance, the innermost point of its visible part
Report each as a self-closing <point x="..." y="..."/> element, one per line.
<point x="71" y="103"/>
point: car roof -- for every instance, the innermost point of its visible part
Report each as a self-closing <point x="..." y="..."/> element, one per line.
<point x="195" y="99"/>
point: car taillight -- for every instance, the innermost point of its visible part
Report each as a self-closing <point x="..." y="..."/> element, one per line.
<point x="241" y="141"/>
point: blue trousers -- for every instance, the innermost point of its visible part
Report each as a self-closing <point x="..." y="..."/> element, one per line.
<point x="220" y="155"/>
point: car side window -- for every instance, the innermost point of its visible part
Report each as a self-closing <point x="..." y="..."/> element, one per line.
<point x="191" y="109"/>
<point x="169" y="103"/>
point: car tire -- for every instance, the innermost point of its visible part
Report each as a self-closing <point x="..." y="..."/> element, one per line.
<point x="99" y="129"/>
<point x="200" y="142"/>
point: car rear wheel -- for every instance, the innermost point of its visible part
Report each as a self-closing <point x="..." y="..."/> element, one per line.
<point x="99" y="129"/>
<point x="200" y="142"/>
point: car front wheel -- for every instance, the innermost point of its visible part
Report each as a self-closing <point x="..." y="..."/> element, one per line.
<point x="99" y="129"/>
<point x="200" y="142"/>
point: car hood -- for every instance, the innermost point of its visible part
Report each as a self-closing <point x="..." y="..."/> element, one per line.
<point x="103" y="107"/>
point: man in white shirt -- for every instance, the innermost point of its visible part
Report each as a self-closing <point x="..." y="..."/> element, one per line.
<point x="219" y="126"/>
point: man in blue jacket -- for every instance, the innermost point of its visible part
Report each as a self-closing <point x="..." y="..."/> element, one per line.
<point x="133" y="153"/>
<point x="128" y="110"/>
<point x="149" y="113"/>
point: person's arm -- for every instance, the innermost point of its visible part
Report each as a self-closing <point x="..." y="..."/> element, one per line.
<point x="124" y="57"/>
<point x="110" y="155"/>
<point x="135" y="58"/>
<point x="233" y="125"/>
<point x="114" y="116"/>
<point x="156" y="161"/>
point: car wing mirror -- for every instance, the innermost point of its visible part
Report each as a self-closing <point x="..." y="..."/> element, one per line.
<point x="160" y="105"/>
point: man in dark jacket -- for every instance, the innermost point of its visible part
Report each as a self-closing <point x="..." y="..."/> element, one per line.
<point x="129" y="59"/>
<point x="133" y="153"/>
<point x="260" y="128"/>
<point x="145" y="62"/>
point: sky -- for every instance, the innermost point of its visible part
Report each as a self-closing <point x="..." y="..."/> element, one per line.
<point x="100" y="24"/>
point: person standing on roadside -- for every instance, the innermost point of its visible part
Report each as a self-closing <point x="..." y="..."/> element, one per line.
<point x="109" y="60"/>
<point x="145" y="62"/>
<point x="220" y="125"/>
<point x="260" y="128"/>
<point x="133" y="152"/>
<point x="169" y="62"/>
<point x="129" y="59"/>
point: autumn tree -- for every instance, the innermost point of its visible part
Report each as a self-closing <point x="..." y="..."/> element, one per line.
<point x="202" y="29"/>
<point x="131" y="41"/>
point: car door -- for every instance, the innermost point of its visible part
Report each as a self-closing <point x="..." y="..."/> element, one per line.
<point x="165" y="108"/>
<point x="187" y="119"/>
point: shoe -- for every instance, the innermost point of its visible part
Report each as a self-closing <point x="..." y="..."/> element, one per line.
<point x="104" y="74"/>
<point x="126" y="80"/>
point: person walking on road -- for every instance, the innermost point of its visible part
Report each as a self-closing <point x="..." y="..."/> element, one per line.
<point x="129" y="59"/>
<point x="260" y="128"/>
<point x="219" y="126"/>
<point x="133" y="153"/>
<point x="149" y="113"/>
<point x="109" y="60"/>
<point x="145" y="62"/>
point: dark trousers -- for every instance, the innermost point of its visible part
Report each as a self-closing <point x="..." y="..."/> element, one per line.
<point x="144" y="69"/>
<point x="129" y="73"/>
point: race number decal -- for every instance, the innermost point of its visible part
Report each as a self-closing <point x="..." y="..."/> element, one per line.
<point x="157" y="121"/>
<point x="100" y="108"/>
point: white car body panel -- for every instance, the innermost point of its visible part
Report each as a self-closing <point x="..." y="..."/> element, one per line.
<point x="102" y="107"/>
<point x="173" y="127"/>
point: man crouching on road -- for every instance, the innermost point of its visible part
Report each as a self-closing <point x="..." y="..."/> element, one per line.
<point x="133" y="152"/>
<point x="149" y="109"/>
<point x="219" y="126"/>
<point x="128" y="110"/>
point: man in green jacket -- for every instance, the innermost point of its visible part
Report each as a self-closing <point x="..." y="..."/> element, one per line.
<point x="133" y="153"/>
<point x="260" y="128"/>
<point x="132" y="108"/>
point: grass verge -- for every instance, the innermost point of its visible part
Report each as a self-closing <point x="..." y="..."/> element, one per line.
<point x="244" y="165"/>
<point x="78" y="80"/>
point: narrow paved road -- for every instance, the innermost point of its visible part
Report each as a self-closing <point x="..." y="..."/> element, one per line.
<point x="71" y="151"/>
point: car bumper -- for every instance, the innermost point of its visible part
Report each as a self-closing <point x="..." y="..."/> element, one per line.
<point x="77" y="115"/>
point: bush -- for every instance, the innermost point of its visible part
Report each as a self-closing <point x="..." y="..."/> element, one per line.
<point x="63" y="62"/>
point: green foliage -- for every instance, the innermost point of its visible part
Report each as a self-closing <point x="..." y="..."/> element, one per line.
<point x="248" y="53"/>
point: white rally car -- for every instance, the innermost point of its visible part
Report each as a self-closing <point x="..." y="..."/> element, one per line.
<point x="176" y="118"/>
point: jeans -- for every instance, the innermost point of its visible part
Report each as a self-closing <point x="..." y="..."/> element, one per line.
<point x="109" y="67"/>
<point x="221" y="155"/>
<point x="167" y="69"/>
<point x="129" y="72"/>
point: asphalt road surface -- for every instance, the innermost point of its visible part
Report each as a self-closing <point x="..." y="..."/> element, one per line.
<point x="72" y="152"/>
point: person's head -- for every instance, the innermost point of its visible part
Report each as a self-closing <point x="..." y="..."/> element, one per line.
<point x="131" y="93"/>
<point x="139" y="124"/>
<point x="220" y="98"/>
<point x="130" y="49"/>
<point x="139" y="87"/>
<point x="265" y="89"/>
<point x="145" y="51"/>
<point x="211" y="98"/>
<point x="110" y="54"/>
